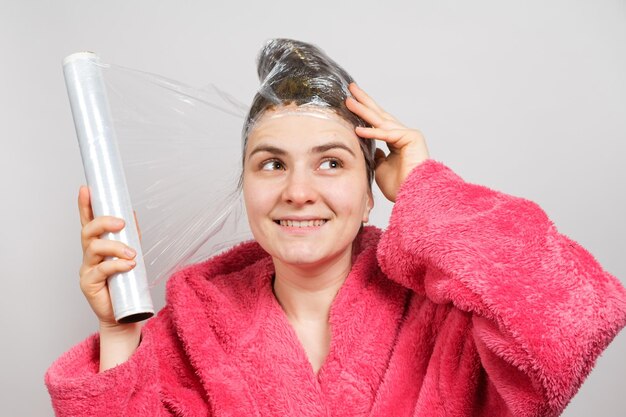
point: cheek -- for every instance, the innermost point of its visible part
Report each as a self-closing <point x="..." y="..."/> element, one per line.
<point x="259" y="201"/>
<point x="346" y="198"/>
<point x="253" y="214"/>
<point x="251" y="198"/>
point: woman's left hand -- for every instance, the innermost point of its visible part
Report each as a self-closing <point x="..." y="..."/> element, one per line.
<point x="407" y="147"/>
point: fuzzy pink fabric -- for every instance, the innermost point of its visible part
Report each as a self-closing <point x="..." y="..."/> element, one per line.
<point x="470" y="304"/>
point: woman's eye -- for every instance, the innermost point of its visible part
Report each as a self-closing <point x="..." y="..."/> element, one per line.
<point x="272" y="165"/>
<point x="330" y="164"/>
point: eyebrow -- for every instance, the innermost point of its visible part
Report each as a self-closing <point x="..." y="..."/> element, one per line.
<point x="331" y="145"/>
<point x="317" y="149"/>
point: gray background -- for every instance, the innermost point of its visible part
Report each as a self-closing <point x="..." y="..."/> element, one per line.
<point x="524" y="97"/>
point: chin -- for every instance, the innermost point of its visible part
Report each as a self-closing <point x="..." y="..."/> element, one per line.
<point x="301" y="256"/>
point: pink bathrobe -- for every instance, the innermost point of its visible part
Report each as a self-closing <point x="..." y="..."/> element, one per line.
<point x="470" y="304"/>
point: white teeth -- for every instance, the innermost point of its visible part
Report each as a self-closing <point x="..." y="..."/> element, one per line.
<point x="305" y="223"/>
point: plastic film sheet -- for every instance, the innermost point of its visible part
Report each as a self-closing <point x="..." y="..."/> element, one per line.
<point x="175" y="142"/>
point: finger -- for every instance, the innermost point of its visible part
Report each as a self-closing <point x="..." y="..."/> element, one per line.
<point x="395" y="137"/>
<point x="103" y="270"/>
<point x="137" y="224"/>
<point x="371" y="116"/>
<point x="364" y="98"/>
<point x="98" y="226"/>
<point x="84" y="205"/>
<point x="379" y="156"/>
<point x="384" y="176"/>
<point x="98" y="249"/>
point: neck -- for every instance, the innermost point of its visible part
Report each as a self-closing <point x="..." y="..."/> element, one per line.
<point x="307" y="292"/>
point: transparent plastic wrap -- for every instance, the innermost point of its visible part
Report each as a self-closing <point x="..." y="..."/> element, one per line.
<point x="175" y="140"/>
<point x="180" y="139"/>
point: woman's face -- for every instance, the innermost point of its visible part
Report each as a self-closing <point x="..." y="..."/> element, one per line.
<point x="305" y="185"/>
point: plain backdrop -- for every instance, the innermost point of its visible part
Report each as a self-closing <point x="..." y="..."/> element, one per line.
<point x="527" y="97"/>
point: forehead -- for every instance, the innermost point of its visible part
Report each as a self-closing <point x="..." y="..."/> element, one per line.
<point x="295" y="126"/>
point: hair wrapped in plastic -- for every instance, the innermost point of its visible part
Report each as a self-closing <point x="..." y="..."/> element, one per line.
<point x="295" y="72"/>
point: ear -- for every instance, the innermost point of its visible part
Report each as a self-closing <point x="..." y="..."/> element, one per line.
<point x="369" y="205"/>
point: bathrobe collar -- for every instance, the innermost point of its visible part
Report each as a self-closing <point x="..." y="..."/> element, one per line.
<point x="225" y="308"/>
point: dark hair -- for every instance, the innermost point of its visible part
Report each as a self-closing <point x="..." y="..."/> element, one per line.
<point x="297" y="72"/>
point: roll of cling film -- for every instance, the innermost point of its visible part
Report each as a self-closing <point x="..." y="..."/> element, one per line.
<point x="129" y="291"/>
<point x="152" y="145"/>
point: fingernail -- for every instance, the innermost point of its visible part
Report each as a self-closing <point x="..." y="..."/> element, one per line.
<point x="129" y="252"/>
<point x="130" y="263"/>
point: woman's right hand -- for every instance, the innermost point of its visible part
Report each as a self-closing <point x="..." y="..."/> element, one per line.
<point x="95" y="269"/>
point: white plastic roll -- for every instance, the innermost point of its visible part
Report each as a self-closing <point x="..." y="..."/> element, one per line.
<point x="129" y="291"/>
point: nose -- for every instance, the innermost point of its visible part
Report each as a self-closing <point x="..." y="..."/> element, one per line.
<point x="299" y="189"/>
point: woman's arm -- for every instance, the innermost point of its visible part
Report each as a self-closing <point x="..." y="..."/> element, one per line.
<point x="118" y="345"/>
<point x="110" y="373"/>
<point x="542" y="307"/>
<point x="78" y="388"/>
<point x="103" y="258"/>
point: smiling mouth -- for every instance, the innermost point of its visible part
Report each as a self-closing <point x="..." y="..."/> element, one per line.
<point x="301" y="223"/>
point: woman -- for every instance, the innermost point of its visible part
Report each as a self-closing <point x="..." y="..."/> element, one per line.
<point x="470" y="303"/>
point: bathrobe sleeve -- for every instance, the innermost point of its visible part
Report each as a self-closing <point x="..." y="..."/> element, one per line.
<point x="542" y="308"/>
<point x="129" y="389"/>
